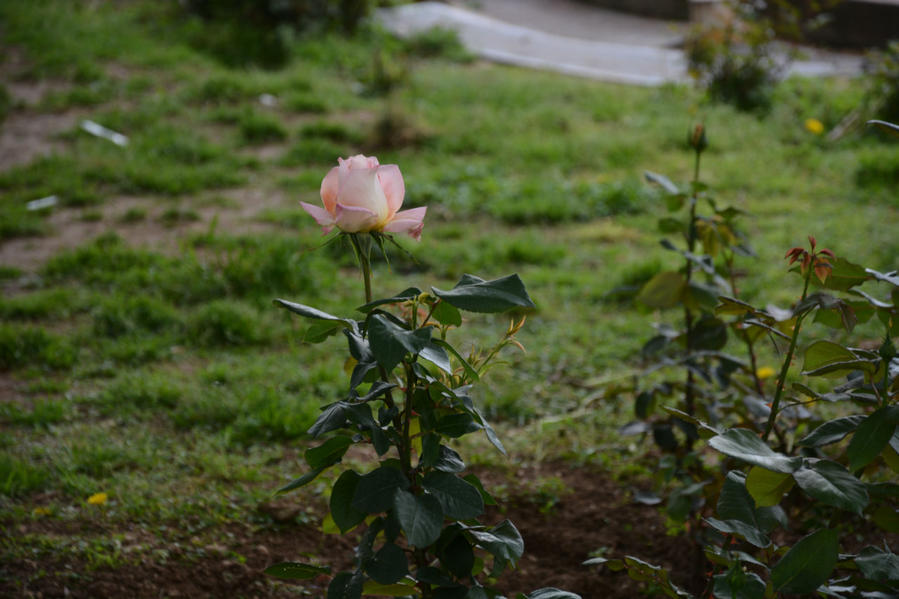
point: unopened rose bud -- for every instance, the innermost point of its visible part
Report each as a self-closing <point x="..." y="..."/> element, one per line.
<point x="697" y="139"/>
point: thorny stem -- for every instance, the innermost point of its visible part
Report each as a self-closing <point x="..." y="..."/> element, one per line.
<point x="781" y="379"/>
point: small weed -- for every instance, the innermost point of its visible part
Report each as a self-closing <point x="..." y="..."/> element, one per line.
<point x="49" y="303"/>
<point x="133" y="215"/>
<point x="20" y="478"/>
<point x="437" y="42"/>
<point x="223" y="323"/>
<point x="305" y="102"/>
<point x="118" y="316"/>
<point x="335" y="132"/>
<point x="142" y="392"/>
<point x="91" y="216"/>
<point x="33" y="347"/>
<point x="259" y="128"/>
<point x="43" y="413"/>
<point x="173" y="217"/>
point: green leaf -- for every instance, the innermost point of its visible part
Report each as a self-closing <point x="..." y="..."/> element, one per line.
<point x="871" y="436"/>
<point x="476" y="483"/>
<point x="333" y="417"/>
<point x="346" y="585"/>
<point x="748" y="531"/>
<point x="446" y="313"/>
<point x="831" y="431"/>
<point x="456" y="425"/>
<point x="469" y="370"/>
<point x="844" y="275"/>
<point x="319" y="331"/>
<point x="664" y="290"/>
<point x="374" y="492"/>
<point x="296" y="571"/>
<point x="459" y="499"/>
<point x="343" y="513"/>
<point x="314" y="313"/>
<point x="458" y="557"/>
<point x="474" y="294"/>
<point x="879" y="565"/>
<point x="449" y="460"/>
<point x="887" y="518"/>
<point x="745" y="445"/>
<point x="808" y="564"/>
<point x="420" y="517"/>
<point x="388" y="565"/>
<point x="402" y="296"/>
<point x="503" y="541"/>
<point x="372" y="588"/>
<point x="552" y="593"/>
<point x="824" y="353"/>
<point x="830" y="483"/>
<point x="328" y="453"/>
<point x="303" y="480"/>
<point x="734" y="501"/>
<point x="738" y="584"/>
<point x="390" y="343"/>
<point x="661" y="180"/>
<point x="435" y="354"/>
<point x="767" y="487"/>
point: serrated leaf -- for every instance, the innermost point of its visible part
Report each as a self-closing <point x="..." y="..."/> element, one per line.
<point x="736" y="583"/>
<point x="346" y="585"/>
<point x="402" y="296"/>
<point x="319" y="331"/>
<point x="844" y="275"/>
<point x="390" y="343"/>
<point x="333" y="417"/>
<point x="328" y="453"/>
<point x="822" y="353"/>
<point x="808" y="564"/>
<point x="375" y="490"/>
<point x="831" y="484"/>
<point x="831" y="431"/>
<point x="664" y="290"/>
<point x="458" y="557"/>
<point x="314" y="313"/>
<point x="879" y="565"/>
<point x="436" y="355"/>
<point x="446" y="313"/>
<point x="477" y="295"/>
<point x="748" y="531"/>
<point x="503" y="541"/>
<point x="296" y="570"/>
<point x="745" y="445"/>
<point x="343" y="513"/>
<point x="871" y="436"/>
<point x="767" y="487"/>
<point x="421" y="517"/>
<point x="449" y="460"/>
<point x="388" y="565"/>
<point x="459" y="500"/>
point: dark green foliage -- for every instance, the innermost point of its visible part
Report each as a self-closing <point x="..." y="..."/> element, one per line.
<point x="257" y="128"/>
<point x="20" y="478"/>
<point x="224" y="323"/>
<point x="33" y="347"/>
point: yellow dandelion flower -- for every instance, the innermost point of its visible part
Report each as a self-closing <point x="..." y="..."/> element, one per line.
<point x="41" y="511"/>
<point x="765" y="372"/>
<point x="98" y="499"/>
<point x="814" y="126"/>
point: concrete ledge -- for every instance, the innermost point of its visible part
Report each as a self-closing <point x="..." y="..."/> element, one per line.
<point x="660" y="9"/>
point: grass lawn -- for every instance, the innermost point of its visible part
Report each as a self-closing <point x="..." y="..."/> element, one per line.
<point x="140" y="354"/>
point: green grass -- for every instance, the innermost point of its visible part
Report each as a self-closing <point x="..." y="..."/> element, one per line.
<point x="157" y="369"/>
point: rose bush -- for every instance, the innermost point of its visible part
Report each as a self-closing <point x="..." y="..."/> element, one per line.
<point x="362" y="196"/>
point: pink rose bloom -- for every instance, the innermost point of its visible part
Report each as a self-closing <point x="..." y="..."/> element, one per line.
<point x="361" y="196"/>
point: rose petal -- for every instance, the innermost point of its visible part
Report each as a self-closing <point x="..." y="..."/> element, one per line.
<point x="355" y="219"/>
<point x="330" y="186"/>
<point x="321" y="216"/>
<point x="409" y="221"/>
<point x="359" y="161"/>
<point x="360" y="188"/>
<point x="394" y="188"/>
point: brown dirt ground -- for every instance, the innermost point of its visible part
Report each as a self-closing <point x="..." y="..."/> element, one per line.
<point x="594" y="513"/>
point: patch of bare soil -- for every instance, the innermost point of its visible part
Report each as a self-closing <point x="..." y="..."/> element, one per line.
<point x="592" y="514"/>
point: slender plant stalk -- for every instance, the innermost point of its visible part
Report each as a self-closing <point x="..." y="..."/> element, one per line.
<point x="781" y="379"/>
<point x="689" y="403"/>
